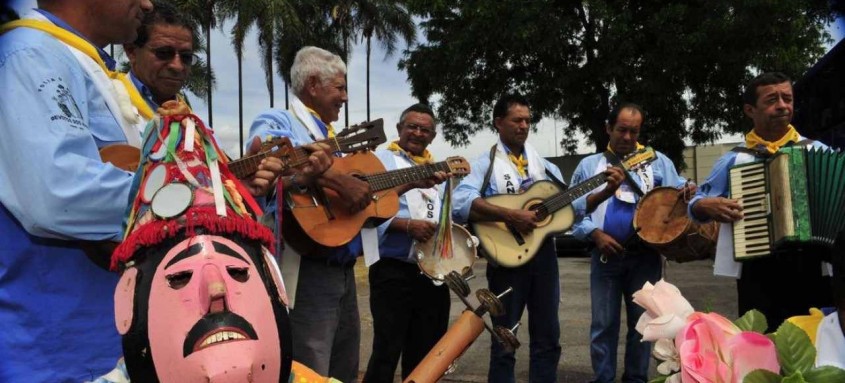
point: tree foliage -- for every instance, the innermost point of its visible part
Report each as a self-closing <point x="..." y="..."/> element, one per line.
<point x="684" y="62"/>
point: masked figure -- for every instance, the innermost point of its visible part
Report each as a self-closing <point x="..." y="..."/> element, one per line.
<point x="200" y="297"/>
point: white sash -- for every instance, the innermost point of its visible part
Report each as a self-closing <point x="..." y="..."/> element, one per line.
<point x="725" y="265"/>
<point x="508" y="180"/>
<point x="129" y="120"/>
<point x="830" y="343"/>
<point x="300" y="111"/>
<point x="644" y="177"/>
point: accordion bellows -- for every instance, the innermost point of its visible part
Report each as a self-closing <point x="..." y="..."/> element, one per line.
<point x="794" y="198"/>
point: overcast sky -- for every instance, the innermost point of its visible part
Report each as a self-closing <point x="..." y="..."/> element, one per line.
<point x="390" y="93"/>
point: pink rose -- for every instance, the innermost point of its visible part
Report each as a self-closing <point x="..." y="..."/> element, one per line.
<point x="712" y="349"/>
<point x="666" y="310"/>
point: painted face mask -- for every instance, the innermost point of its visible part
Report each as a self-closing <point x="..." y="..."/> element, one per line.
<point x="200" y="298"/>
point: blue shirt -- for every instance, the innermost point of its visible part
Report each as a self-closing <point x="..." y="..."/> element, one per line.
<point x="716" y="184"/>
<point x="144" y="91"/>
<point x="619" y="215"/>
<point x="469" y="188"/>
<point x="282" y="123"/>
<point x="56" y="306"/>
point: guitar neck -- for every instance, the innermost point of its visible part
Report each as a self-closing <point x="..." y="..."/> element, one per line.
<point x="561" y="200"/>
<point x="246" y="166"/>
<point x="393" y="178"/>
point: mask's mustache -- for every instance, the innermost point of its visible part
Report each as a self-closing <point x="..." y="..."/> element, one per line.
<point x="217" y="327"/>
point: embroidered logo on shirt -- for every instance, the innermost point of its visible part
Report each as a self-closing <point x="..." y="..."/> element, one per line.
<point x="67" y="109"/>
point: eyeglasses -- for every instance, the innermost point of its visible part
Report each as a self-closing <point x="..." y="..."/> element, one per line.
<point x="421" y="129"/>
<point x="167" y="54"/>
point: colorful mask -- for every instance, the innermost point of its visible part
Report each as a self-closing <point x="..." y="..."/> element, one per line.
<point x="200" y="297"/>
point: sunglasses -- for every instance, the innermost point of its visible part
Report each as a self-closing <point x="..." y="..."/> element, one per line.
<point x="414" y="127"/>
<point x="167" y="54"/>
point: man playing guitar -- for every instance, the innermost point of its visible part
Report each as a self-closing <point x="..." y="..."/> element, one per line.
<point x="516" y="165"/>
<point x="410" y="313"/>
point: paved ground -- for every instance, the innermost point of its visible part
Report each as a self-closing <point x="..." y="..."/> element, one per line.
<point x="696" y="281"/>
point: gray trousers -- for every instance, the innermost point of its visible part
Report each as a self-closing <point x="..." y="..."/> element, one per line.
<point x="325" y="323"/>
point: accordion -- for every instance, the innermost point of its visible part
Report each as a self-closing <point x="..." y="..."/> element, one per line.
<point x="795" y="198"/>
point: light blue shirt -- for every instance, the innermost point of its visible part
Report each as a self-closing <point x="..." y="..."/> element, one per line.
<point x="56" y="306"/>
<point x="619" y="215"/>
<point x="54" y="121"/>
<point x="716" y="184"/>
<point x="282" y="123"/>
<point x="144" y="91"/>
<point x="469" y="188"/>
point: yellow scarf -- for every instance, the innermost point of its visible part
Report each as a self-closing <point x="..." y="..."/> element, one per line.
<point x="425" y="158"/>
<point x="752" y="140"/>
<point x="89" y="50"/>
<point x="329" y="127"/>
<point x="520" y="162"/>
<point x="638" y="147"/>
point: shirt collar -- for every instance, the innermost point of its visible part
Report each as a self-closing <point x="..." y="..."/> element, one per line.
<point x="144" y="90"/>
<point x="108" y="60"/>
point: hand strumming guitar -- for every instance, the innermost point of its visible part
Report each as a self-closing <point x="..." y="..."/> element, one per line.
<point x="355" y="193"/>
<point x="523" y="221"/>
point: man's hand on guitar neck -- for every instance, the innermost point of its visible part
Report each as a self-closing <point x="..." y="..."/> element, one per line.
<point x="436" y="179"/>
<point x="354" y="192"/>
<point x="615" y="177"/>
<point x="271" y="168"/>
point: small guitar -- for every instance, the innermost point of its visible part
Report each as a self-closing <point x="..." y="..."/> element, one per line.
<point x="364" y="136"/>
<point x="510" y="248"/>
<point x="318" y="212"/>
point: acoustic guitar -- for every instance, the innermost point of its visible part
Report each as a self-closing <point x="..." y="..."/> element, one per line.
<point x="321" y="222"/>
<point x="508" y="247"/>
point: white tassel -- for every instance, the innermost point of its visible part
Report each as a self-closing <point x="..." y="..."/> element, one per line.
<point x="189" y="125"/>
<point x="124" y="102"/>
<point x="217" y="186"/>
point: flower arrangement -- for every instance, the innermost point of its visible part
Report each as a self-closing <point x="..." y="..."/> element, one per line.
<point x="697" y="347"/>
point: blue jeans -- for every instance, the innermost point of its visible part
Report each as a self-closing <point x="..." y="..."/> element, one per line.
<point x="537" y="286"/>
<point x="609" y="283"/>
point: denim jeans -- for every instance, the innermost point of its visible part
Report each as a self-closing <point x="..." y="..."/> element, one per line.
<point x="536" y="285"/>
<point x="609" y="283"/>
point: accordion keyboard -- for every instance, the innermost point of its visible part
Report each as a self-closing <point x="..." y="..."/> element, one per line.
<point x="752" y="234"/>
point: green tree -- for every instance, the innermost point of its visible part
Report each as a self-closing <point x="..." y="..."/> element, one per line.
<point x="685" y="62"/>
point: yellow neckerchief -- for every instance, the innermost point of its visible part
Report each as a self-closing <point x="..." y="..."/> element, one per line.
<point x="752" y="140"/>
<point x="520" y="162"/>
<point x="637" y="148"/>
<point x="425" y="158"/>
<point x="809" y="323"/>
<point x="329" y="127"/>
<point x="89" y="50"/>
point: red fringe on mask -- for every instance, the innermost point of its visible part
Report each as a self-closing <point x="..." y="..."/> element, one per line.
<point x="201" y="217"/>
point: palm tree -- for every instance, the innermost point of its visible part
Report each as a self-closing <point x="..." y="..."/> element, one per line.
<point x="386" y="21"/>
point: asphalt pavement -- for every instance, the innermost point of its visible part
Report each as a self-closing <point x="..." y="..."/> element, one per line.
<point x="695" y="280"/>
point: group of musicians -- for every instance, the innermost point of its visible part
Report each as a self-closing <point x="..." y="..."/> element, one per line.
<point x="60" y="107"/>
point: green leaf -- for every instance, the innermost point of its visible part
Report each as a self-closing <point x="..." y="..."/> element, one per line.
<point x="753" y="320"/>
<point x="762" y="376"/>
<point x="795" y="350"/>
<point x="659" y="379"/>
<point x="825" y="374"/>
<point x="794" y="378"/>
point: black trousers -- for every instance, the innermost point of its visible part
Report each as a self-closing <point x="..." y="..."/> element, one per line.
<point x="410" y="314"/>
<point x="783" y="285"/>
